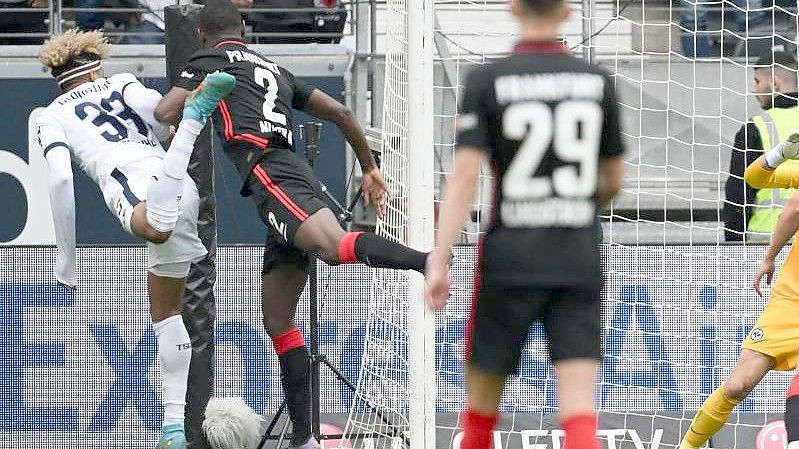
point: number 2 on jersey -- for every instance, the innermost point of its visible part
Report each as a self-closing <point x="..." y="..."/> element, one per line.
<point x="572" y="130"/>
<point x="267" y="80"/>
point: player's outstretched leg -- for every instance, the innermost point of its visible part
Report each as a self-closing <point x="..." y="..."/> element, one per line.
<point x="792" y="413"/>
<point x="282" y="286"/>
<point x="174" y="352"/>
<point x="748" y="371"/>
<point x="321" y="234"/>
<point x="163" y="193"/>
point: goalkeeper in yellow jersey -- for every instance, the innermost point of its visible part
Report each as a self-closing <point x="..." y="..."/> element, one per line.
<point x="773" y="343"/>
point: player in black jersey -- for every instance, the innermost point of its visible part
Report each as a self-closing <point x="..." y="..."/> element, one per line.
<point x="548" y="123"/>
<point x="255" y="121"/>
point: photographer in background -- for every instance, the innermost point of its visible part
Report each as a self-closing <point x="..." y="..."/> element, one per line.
<point x="748" y="213"/>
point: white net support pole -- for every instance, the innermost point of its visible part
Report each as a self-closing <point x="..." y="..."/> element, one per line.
<point x="421" y="320"/>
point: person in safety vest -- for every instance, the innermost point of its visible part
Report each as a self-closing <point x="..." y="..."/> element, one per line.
<point x="748" y="213"/>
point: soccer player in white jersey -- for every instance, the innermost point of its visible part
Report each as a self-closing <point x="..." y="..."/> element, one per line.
<point x="106" y="126"/>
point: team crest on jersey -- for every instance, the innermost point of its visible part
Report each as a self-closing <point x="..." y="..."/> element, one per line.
<point x="756" y="334"/>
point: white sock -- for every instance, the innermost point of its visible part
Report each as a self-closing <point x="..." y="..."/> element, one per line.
<point x="165" y="188"/>
<point x="174" y="352"/>
<point x="774" y="157"/>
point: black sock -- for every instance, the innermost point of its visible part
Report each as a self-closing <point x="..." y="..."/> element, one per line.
<point x="295" y="376"/>
<point x="792" y="418"/>
<point x="378" y="252"/>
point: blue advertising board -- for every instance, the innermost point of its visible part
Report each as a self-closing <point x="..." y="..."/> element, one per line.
<point x="81" y="367"/>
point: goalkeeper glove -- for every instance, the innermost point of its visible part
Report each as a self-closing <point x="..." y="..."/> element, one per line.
<point x="787" y="149"/>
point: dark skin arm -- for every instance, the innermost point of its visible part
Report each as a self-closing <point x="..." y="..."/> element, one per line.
<point x="170" y="107"/>
<point x="323" y="106"/>
<point x="320" y="105"/>
<point x="374" y="187"/>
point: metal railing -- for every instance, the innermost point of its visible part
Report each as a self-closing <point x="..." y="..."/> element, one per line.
<point x="32" y="25"/>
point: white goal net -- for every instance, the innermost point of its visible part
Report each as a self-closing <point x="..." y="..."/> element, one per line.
<point x="678" y="300"/>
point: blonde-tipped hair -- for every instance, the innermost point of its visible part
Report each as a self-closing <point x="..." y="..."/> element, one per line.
<point x="64" y="48"/>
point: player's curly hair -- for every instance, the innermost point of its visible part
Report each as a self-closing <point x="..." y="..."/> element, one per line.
<point x="74" y="48"/>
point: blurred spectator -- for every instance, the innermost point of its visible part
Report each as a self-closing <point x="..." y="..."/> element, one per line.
<point x="149" y="22"/>
<point x="750" y="213"/>
<point x="89" y="20"/>
<point x="23" y="22"/>
<point x="693" y="20"/>
<point x="297" y="22"/>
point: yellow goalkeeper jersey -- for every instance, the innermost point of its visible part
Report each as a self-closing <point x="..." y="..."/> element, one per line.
<point x="776" y="332"/>
<point x="786" y="175"/>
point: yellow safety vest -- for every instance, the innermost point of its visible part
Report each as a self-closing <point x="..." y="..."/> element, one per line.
<point x="773" y="126"/>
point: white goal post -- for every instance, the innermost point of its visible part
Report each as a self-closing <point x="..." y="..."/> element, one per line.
<point x="400" y="335"/>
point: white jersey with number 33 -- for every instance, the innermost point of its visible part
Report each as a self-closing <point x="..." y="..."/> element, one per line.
<point x="97" y="121"/>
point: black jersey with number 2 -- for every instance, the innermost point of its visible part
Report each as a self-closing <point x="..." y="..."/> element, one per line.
<point x="258" y="112"/>
<point x="545" y="118"/>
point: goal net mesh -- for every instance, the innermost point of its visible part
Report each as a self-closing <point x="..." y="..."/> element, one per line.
<point x="678" y="300"/>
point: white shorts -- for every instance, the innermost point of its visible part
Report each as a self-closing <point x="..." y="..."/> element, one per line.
<point x="127" y="186"/>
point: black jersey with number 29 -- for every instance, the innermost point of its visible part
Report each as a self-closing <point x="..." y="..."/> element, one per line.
<point x="258" y="112"/>
<point x="545" y="118"/>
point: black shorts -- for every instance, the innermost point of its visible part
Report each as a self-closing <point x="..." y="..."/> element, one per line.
<point x="501" y="319"/>
<point x="286" y="192"/>
<point x="277" y="252"/>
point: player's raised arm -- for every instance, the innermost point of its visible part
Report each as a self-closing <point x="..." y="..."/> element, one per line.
<point x="62" y="196"/>
<point x="144" y="101"/>
<point x="322" y="105"/>
<point x="170" y="106"/>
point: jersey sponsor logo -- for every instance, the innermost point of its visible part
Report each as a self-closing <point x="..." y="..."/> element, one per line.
<point x="185" y="74"/>
<point x="757" y="334"/>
